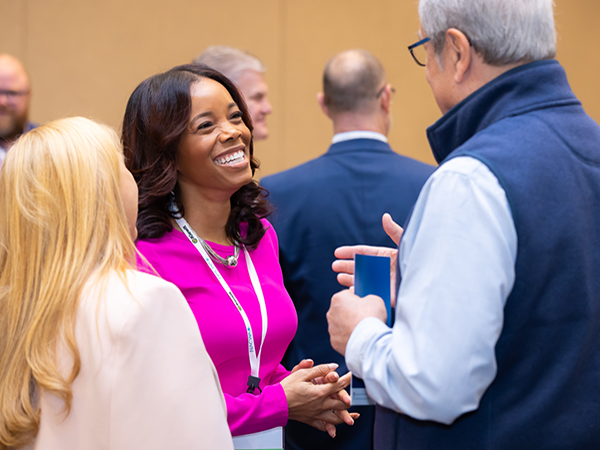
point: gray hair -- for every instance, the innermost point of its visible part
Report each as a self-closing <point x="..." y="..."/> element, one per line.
<point x="351" y="80"/>
<point x="229" y="61"/>
<point x="501" y="31"/>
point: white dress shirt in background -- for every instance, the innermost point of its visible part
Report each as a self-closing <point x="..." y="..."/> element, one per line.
<point x="350" y="135"/>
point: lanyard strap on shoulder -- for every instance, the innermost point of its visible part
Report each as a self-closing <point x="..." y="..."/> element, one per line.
<point x="253" y="355"/>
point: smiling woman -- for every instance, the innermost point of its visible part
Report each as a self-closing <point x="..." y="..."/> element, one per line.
<point x="166" y="130"/>
<point x="187" y="137"/>
<point x="213" y="157"/>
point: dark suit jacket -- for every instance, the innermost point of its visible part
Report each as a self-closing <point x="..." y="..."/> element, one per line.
<point x="334" y="200"/>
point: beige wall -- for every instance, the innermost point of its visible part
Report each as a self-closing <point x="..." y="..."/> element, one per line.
<point x="86" y="56"/>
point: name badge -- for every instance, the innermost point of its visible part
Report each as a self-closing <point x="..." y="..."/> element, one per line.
<point x="263" y="440"/>
<point x="358" y="393"/>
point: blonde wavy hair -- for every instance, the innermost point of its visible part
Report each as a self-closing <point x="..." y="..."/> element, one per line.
<point x="62" y="223"/>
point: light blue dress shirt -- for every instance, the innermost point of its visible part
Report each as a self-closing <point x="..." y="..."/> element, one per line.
<point x="457" y="259"/>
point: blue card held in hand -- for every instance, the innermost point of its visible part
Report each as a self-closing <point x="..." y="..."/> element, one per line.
<point x="371" y="276"/>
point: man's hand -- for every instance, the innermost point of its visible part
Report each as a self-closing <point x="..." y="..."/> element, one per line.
<point x="345" y="264"/>
<point x="392" y="229"/>
<point x="346" y="311"/>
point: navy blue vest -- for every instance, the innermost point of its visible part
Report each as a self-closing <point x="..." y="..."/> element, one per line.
<point x="531" y="131"/>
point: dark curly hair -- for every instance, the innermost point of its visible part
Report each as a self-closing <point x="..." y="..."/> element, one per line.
<point x="156" y="117"/>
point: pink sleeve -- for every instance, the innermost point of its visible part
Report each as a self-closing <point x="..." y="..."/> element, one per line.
<point x="279" y="374"/>
<point x="248" y="413"/>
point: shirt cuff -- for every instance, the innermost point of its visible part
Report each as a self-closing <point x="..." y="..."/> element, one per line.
<point x="367" y="330"/>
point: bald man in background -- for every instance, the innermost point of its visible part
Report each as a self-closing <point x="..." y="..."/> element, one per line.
<point x="15" y="94"/>
<point x="247" y="72"/>
<point x="337" y="199"/>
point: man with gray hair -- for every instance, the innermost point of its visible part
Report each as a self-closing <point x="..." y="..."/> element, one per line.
<point x="247" y="72"/>
<point x="338" y="199"/>
<point x="496" y="343"/>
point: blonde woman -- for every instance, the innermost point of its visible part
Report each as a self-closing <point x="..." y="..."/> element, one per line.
<point x="93" y="355"/>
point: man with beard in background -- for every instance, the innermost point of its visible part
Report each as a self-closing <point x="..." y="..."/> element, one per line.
<point x="15" y="94"/>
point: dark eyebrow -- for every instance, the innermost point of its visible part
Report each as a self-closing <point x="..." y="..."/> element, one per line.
<point x="209" y="113"/>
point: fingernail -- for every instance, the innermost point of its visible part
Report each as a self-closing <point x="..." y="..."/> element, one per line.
<point x="333" y="366"/>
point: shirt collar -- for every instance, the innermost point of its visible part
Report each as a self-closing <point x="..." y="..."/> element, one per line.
<point x="350" y="135"/>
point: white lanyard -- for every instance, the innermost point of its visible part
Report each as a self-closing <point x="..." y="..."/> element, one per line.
<point x="252" y="355"/>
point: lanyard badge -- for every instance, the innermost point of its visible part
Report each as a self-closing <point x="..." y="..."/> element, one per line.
<point x="253" y="356"/>
<point x="253" y="385"/>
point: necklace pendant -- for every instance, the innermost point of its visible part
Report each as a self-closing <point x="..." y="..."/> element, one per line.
<point x="231" y="261"/>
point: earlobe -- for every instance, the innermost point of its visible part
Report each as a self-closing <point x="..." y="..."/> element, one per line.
<point x="321" y="101"/>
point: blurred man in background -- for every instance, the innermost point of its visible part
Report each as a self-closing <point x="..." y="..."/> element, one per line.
<point x="247" y="72"/>
<point x="15" y="93"/>
<point x="339" y="199"/>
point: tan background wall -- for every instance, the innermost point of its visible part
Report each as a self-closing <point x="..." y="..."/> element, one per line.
<point x="85" y="57"/>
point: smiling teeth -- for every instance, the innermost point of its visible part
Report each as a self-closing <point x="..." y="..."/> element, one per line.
<point x="233" y="158"/>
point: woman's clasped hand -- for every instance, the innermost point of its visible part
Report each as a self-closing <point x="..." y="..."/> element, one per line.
<point x="317" y="396"/>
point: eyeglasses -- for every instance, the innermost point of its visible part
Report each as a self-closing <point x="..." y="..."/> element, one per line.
<point x="13" y="95"/>
<point x="418" y="52"/>
<point x="380" y="91"/>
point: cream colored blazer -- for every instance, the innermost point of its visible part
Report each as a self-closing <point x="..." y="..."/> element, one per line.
<point x="146" y="381"/>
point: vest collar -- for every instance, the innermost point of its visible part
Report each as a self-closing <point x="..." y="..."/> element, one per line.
<point x="532" y="86"/>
